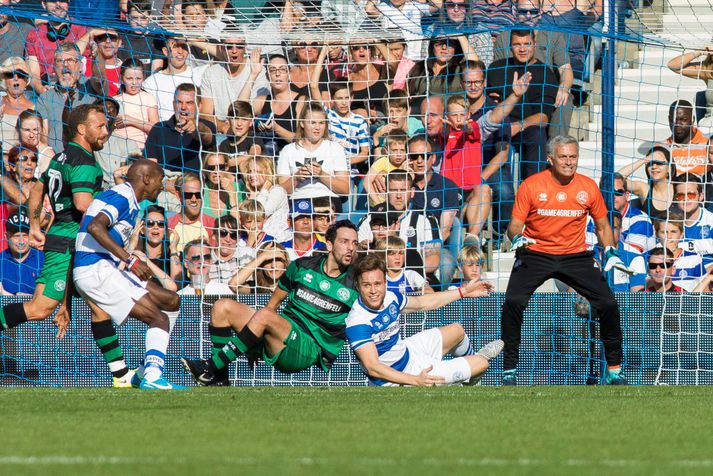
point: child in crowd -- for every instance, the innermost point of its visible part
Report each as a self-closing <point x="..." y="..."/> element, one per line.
<point x="462" y="163"/>
<point x="242" y="143"/>
<point x="470" y="262"/>
<point x="251" y="236"/>
<point x="399" y="279"/>
<point x="138" y="110"/>
<point x="399" y="111"/>
<point x="396" y="153"/>
<point x="348" y="129"/>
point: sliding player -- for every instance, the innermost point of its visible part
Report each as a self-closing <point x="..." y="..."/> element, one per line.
<point x="113" y="293"/>
<point x="310" y="329"/>
<point x="374" y="333"/>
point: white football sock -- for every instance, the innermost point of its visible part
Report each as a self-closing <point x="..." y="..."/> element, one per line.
<point x="172" y="317"/>
<point x="156" y="345"/>
<point x="463" y="348"/>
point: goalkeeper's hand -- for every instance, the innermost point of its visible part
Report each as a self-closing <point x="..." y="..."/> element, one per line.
<point x="612" y="260"/>
<point x="520" y="241"/>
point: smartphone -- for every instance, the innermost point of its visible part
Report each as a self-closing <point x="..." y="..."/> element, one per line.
<point x="263" y="119"/>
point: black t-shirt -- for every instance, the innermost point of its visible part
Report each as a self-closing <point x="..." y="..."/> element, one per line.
<point x="174" y="150"/>
<point x="540" y="96"/>
<point x="142" y="46"/>
<point x="230" y="147"/>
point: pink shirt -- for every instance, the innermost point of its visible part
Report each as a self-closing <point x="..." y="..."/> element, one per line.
<point x="38" y="45"/>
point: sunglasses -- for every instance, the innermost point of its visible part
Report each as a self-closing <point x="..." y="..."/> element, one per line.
<point x="229" y="233"/>
<point x="235" y="46"/>
<point x="416" y="157"/>
<point x="153" y="223"/>
<point x="15" y="74"/>
<point x="455" y="5"/>
<point x="27" y="158"/>
<point x="313" y="44"/>
<point x="106" y="36"/>
<point x="215" y="167"/>
<point x="528" y="11"/>
<point x="203" y="257"/>
<point x="619" y="192"/>
<point x="667" y="264"/>
<point x="189" y="195"/>
<point x="359" y="47"/>
<point x="658" y="162"/>
<point x="691" y="196"/>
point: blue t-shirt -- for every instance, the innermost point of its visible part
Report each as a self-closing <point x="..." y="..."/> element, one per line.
<point x="441" y="194"/>
<point x="20" y="277"/>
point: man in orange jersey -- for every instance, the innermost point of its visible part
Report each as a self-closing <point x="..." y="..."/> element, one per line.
<point x="547" y="233"/>
<point x="689" y="146"/>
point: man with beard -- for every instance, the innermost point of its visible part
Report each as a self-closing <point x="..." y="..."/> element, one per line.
<point x="309" y="331"/>
<point x="68" y="92"/>
<point x="72" y="181"/>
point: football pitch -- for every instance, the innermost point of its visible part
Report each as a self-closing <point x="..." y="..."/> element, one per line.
<point x="335" y="431"/>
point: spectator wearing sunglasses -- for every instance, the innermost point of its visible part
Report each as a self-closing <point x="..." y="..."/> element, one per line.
<point x="637" y="231"/>
<point x="656" y="193"/>
<point x="190" y="224"/>
<point x="689" y="266"/>
<point x="698" y="222"/>
<point x="220" y="190"/>
<point x="225" y="244"/>
<point x="199" y="262"/>
<point x="105" y="65"/>
<point x="16" y="77"/>
<point x="223" y="81"/>
<point x="152" y="238"/>
<point x="661" y="269"/>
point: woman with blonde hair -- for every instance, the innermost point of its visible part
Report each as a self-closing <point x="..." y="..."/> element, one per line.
<point x="260" y="185"/>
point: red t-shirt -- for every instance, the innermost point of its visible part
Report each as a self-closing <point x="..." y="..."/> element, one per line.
<point x="37" y="44"/>
<point x="556" y="215"/>
<point x="463" y="157"/>
<point x="4" y="215"/>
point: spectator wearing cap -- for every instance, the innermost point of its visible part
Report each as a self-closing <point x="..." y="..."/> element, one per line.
<point x="20" y="265"/>
<point x="323" y="216"/>
<point x="661" y="270"/>
<point x="304" y="241"/>
<point x="13" y="34"/>
<point x="176" y="142"/>
<point x="164" y="83"/>
<point x="43" y="42"/>
<point x="68" y="91"/>
<point x="16" y="76"/>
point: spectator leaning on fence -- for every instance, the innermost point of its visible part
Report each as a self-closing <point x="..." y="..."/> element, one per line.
<point x="199" y="261"/>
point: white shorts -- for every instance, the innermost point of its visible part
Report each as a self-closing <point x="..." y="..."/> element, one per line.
<point x="426" y="350"/>
<point x="113" y="290"/>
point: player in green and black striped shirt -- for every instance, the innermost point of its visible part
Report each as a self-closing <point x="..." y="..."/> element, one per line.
<point x="72" y="180"/>
<point x="311" y="328"/>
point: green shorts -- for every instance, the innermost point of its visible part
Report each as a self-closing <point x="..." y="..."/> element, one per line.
<point x="54" y="274"/>
<point x="300" y="352"/>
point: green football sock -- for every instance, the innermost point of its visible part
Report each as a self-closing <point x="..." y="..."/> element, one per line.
<point x="236" y="346"/>
<point x="108" y="342"/>
<point x="219" y="337"/>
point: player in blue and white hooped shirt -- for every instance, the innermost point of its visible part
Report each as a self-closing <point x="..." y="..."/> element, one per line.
<point x="374" y="334"/>
<point x="115" y="293"/>
<point x="399" y="279"/>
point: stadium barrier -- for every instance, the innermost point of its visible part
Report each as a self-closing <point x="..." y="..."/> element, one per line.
<point x="556" y="347"/>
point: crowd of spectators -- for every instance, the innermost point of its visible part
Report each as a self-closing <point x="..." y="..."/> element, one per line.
<point x="268" y="133"/>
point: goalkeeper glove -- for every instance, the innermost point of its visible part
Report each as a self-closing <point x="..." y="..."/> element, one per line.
<point x="612" y="260"/>
<point x="520" y="241"/>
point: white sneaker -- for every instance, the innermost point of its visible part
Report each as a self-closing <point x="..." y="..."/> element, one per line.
<point x="123" y="382"/>
<point x="491" y="350"/>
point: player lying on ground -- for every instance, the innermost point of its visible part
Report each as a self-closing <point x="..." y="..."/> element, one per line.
<point x="310" y="330"/>
<point x="374" y="333"/>
<point x="113" y="293"/>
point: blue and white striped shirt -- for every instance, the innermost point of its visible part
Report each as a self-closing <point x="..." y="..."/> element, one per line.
<point x="382" y="328"/>
<point x="119" y="204"/>
<point x="352" y="132"/>
<point x="637" y="231"/>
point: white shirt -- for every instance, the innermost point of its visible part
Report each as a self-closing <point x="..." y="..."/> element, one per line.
<point x="162" y="85"/>
<point x="212" y="288"/>
<point x="408" y="20"/>
<point x="277" y="211"/>
<point x="292" y="157"/>
<point x="224" y="89"/>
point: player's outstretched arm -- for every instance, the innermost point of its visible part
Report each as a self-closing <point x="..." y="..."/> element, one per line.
<point x="369" y="358"/>
<point x="429" y="302"/>
<point x="278" y="295"/>
<point x="606" y="239"/>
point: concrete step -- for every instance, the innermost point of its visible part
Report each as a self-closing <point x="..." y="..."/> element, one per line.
<point x="633" y="111"/>
<point x="655" y="76"/>
<point x="632" y="130"/>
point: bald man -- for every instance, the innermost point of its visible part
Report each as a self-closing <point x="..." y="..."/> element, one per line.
<point x="114" y="281"/>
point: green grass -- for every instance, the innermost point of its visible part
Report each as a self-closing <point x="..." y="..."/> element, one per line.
<point x="305" y="431"/>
